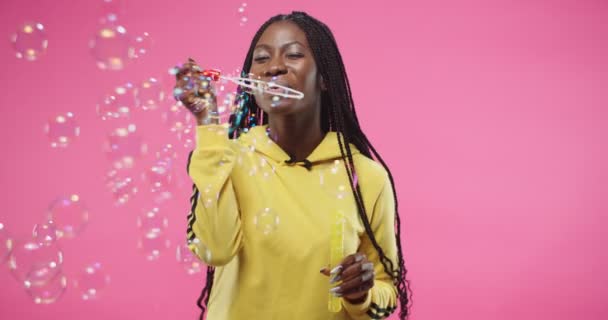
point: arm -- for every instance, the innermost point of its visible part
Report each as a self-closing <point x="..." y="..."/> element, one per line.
<point x="381" y="300"/>
<point x="214" y="223"/>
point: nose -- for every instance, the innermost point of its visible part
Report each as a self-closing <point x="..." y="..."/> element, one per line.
<point x="275" y="68"/>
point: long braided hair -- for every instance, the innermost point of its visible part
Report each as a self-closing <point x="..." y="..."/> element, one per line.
<point x="337" y="114"/>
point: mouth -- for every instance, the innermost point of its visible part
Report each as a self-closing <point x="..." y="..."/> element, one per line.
<point x="278" y="85"/>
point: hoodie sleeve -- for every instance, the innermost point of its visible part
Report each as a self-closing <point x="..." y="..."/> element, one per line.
<point x="382" y="298"/>
<point x="214" y="223"/>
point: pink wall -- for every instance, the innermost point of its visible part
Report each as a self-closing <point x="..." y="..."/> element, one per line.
<point x="491" y="114"/>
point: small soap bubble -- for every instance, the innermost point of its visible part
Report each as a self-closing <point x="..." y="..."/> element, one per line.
<point x="34" y="264"/>
<point x="140" y="45"/>
<point x="45" y="233"/>
<point x="187" y="259"/>
<point x="153" y="244"/>
<point x="149" y="95"/>
<point x="62" y="130"/>
<point x="266" y="221"/>
<point x="48" y="292"/>
<point x="30" y="41"/>
<point x="122" y="186"/>
<point x="6" y="243"/>
<point x="124" y="146"/>
<point x="110" y="47"/>
<point x="242" y="14"/>
<point x="152" y="222"/>
<point x="69" y="215"/>
<point x="92" y="281"/>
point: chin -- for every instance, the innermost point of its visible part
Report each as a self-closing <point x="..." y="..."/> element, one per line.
<point x="283" y="107"/>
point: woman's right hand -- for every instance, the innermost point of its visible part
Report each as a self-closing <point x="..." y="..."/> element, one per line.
<point x="195" y="92"/>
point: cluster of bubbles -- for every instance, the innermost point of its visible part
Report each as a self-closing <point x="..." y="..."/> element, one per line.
<point x="112" y="46"/>
<point x="36" y="261"/>
<point x="242" y="15"/>
<point x="152" y="225"/>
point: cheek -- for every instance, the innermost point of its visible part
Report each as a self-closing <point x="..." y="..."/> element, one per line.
<point x="311" y="80"/>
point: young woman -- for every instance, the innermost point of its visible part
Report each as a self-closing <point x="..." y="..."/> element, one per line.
<point x="267" y="185"/>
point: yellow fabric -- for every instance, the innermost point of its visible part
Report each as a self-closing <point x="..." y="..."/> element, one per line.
<point x="264" y="225"/>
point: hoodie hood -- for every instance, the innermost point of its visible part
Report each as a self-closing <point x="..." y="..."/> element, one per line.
<point x="327" y="150"/>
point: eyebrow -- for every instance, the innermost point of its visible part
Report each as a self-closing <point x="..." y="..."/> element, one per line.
<point x="268" y="47"/>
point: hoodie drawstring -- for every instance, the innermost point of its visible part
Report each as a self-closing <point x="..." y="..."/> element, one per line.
<point x="307" y="164"/>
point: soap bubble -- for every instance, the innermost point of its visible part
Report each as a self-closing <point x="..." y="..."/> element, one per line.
<point x="49" y="292"/>
<point x="242" y="14"/>
<point x="34" y="264"/>
<point x="123" y="146"/>
<point x="167" y="153"/>
<point x="208" y="196"/>
<point x="266" y="221"/>
<point x="159" y="176"/>
<point x="266" y="169"/>
<point x="6" y="243"/>
<point x="62" y="130"/>
<point x="187" y="259"/>
<point x="178" y="119"/>
<point x="112" y="9"/>
<point x="149" y="94"/>
<point x="45" y="233"/>
<point x="334" y="180"/>
<point x="140" y="46"/>
<point x="110" y="108"/>
<point x="152" y="244"/>
<point x="30" y="41"/>
<point x="122" y="186"/>
<point x="69" y="215"/>
<point x="110" y="47"/>
<point x="92" y="281"/>
<point x="152" y="222"/>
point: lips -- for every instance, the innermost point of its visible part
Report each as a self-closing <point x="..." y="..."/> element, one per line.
<point x="280" y="83"/>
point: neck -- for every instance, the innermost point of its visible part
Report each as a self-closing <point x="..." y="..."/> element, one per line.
<point x="298" y="135"/>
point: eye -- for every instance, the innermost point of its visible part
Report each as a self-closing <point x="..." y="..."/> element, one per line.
<point x="295" y="55"/>
<point x="260" y="58"/>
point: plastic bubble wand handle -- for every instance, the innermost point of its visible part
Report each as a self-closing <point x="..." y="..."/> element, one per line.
<point x="253" y="84"/>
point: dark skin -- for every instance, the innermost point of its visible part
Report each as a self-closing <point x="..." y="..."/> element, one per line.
<point x="283" y="55"/>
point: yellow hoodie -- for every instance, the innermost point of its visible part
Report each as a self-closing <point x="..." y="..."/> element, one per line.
<point x="264" y="224"/>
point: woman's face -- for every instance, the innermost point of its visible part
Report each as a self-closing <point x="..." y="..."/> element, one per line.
<point x="282" y="55"/>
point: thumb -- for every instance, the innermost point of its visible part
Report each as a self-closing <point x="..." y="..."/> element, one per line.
<point x="325" y="271"/>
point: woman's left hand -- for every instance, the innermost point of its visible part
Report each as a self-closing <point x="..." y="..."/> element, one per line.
<point x="357" y="276"/>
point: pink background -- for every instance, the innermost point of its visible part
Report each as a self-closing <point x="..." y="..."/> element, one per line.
<point x="491" y="114"/>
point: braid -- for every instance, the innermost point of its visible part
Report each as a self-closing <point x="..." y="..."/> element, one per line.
<point x="337" y="114"/>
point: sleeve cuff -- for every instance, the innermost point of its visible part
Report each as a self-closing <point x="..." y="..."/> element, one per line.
<point x="360" y="308"/>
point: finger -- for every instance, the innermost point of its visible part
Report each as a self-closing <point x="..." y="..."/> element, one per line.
<point x="346" y="263"/>
<point x="187" y="69"/>
<point x="199" y="87"/>
<point x="355" y="292"/>
<point x="325" y="271"/>
<point x="356" y="269"/>
<point x="350" y="260"/>
<point x="356" y="272"/>
<point x="353" y="285"/>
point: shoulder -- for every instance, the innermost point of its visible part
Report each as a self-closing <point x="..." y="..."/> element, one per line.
<point x="372" y="176"/>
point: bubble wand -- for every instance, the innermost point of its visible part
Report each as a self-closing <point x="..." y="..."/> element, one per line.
<point x="255" y="85"/>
